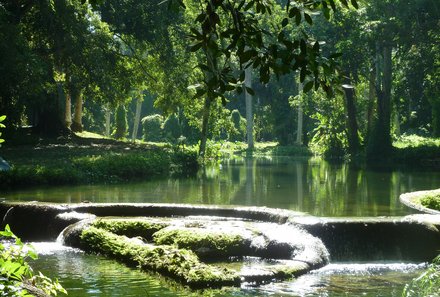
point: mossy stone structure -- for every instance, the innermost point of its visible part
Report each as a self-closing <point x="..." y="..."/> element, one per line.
<point x="187" y="242"/>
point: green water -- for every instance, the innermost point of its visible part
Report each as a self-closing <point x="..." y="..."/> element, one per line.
<point x="88" y="275"/>
<point x="315" y="187"/>
<point x="311" y="186"/>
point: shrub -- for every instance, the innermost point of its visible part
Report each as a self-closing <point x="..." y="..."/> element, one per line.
<point x="171" y="128"/>
<point x="152" y="127"/>
<point x="239" y="132"/>
<point x="427" y="284"/>
<point x="16" y="276"/>
<point x="121" y="122"/>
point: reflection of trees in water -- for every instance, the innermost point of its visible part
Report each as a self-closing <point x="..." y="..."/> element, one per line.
<point x="312" y="186"/>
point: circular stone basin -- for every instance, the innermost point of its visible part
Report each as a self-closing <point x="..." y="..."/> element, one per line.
<point x="196" y="250"/>
<point x="412" y="200"/>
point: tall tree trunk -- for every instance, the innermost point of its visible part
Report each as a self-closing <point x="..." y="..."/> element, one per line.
<point x="386" y="102"/>
<point x="352" y="126"/>
<point x="137" y="117"/>
<point x="371" y="99"/>
<point x="205" y="122"/>
<point x="396" y="123"/>
<point x="68" y="110"/>
<point x="249" y="113"/>
<point x="300" y="120"/>
<point x="77" y="125"/>
<point x="379" y="145"/>
<point x="107" y="120"/>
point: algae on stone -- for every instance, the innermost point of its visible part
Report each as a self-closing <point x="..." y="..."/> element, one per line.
<point x="133" y="227"/>
<point x="203" y="242"/>
<point x="180" y="264"/>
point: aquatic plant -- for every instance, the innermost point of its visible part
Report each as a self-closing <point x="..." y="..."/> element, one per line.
<point x="427" y="284"/>
<point x="16" y="275"/>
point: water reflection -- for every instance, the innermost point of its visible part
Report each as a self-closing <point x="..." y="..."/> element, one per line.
<point x="89" y="275"/>
<point x="312" y="186"/>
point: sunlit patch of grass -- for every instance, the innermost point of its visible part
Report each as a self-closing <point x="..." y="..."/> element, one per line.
<point x="87" y="134"/>
<point x="406" y="141"/>
<point x="264" y="149"/>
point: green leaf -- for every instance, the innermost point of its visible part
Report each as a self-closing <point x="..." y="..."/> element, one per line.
<point x="316" y="46"/>
<point x="355" y="4"/>
<point x="308" y="18"/>
<point x="332" y="4"/>
<point x="308" y="86"/>
<point x="250" y="91"/>
<point x="199" y="93"/>
<point x="196" y="47"/>
<point x="2" y="118"/>
<point x="298" y="19"/>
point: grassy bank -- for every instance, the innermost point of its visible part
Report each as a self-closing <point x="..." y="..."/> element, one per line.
<point x="227" y="149"/>
<point x="418" y="151"/>
<point x="87" y="161"/>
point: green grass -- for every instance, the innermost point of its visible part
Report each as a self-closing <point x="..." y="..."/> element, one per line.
<point x="263" y="149"/>
<point x="417" y="150"/>
<point x="431" y="201"/>
<point x="85" y="161"/>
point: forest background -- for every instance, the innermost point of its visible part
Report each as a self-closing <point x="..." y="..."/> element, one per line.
<point x="343" y="81"/>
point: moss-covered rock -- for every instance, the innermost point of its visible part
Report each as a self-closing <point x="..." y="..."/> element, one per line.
<point x="176" y="247"/>
<point x="180" y="264"/>
<point x="132" y="227"/>
<point x="204" y="242"/>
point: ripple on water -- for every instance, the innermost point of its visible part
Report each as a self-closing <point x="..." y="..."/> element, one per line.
<point x="90" y="275"/>
<point x="346" y="279"/>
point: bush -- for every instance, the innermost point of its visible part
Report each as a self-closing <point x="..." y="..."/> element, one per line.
<point x="427" y="284"/>
<point x="152" y="128"/>
<point x="121" y="123"/>
<point x="171" y="128"/>
<point x="105" y="168"/>
<point x="16" y="276"/>
<point x="239" y="132"/>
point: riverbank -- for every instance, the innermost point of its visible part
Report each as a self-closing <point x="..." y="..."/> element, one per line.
<point x="81" y="160"/>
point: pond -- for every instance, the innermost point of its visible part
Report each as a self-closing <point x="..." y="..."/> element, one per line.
<point x="312" y="186"/>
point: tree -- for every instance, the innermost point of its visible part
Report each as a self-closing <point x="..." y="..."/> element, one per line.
<point x="226" y="30"/>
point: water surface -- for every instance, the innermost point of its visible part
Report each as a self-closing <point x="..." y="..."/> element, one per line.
<point x="311" y="186"/>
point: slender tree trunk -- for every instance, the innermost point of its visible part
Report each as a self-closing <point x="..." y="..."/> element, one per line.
<point x="299" y="130"/>
<point x="249" y="112"/>
<point x="68" y="109"/>
<point x="380" y="146"/>
<point x="77" y="125"/>
<point x="107" y="120"/>
<point x="371" y="99"/>
<point x="137" y="117"/>
<point x="205" y="122"/>
<point x="435" y="118"/>
<point x="386" y="103"/>
<point x="352" y="126"/>
<point x="396" y="123"/>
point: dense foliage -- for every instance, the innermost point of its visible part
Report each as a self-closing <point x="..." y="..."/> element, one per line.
<point x="427" y="284"/>
<point x="16" y="275"/>
<point x="188" y="61"/>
